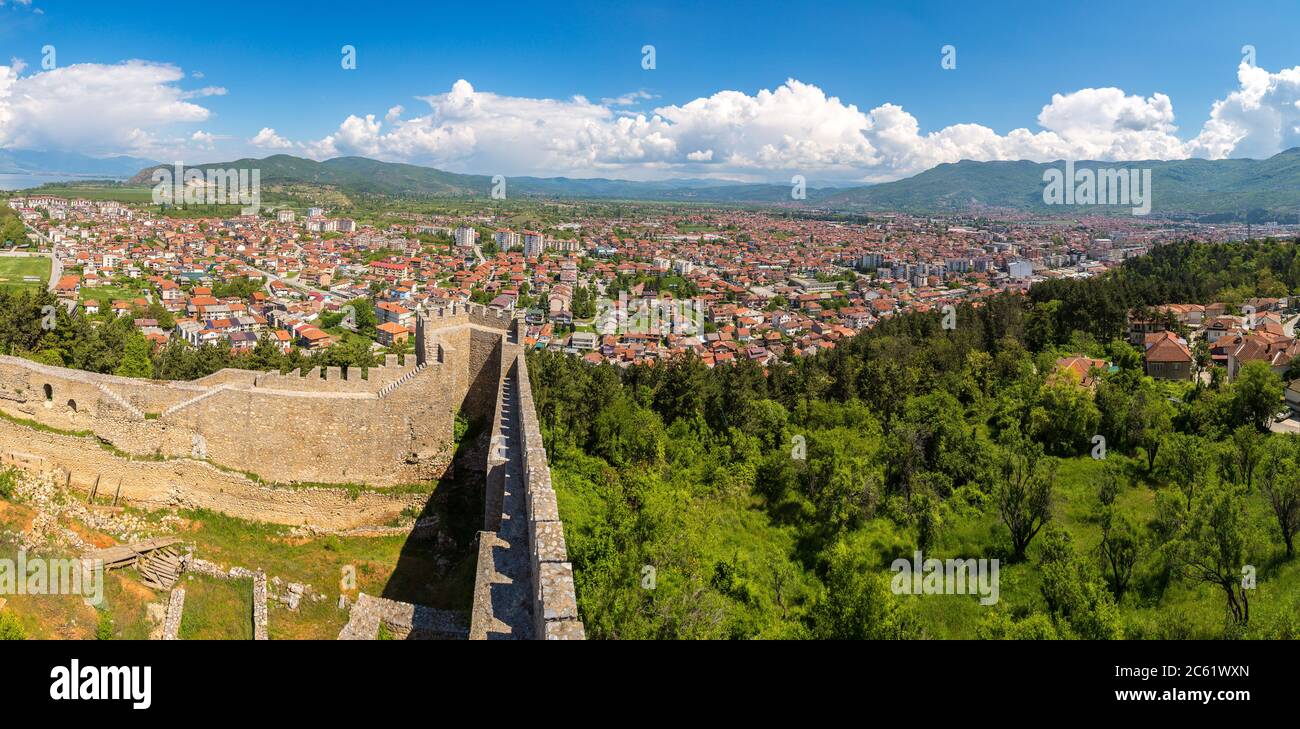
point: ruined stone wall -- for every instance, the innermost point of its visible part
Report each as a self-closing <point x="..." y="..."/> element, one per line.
<point x="185" y="483"/>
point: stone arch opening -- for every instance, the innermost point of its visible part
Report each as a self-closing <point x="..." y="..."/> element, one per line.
<point x="49" y="391"/>
<point x="72" y="405"/>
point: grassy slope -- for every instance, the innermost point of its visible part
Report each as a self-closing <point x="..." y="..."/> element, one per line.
<point x="318" y="561"/>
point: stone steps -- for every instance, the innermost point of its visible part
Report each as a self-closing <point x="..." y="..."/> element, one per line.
<point x="186" y="403"/>
<point x="120" y="401"/>
<point x="508" y="575"/>
<point x="386" y="390"/>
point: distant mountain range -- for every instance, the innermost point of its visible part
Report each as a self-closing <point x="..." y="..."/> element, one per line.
<point x="26" y="161"/>
<point x="1212" y="189"/>
<point x="368" y="176"/>
<point x="1269" y="189"/>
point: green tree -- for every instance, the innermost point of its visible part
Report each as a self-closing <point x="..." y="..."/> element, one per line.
<point x="1187" y="461"/>
<point x="1149" y="418"/>
<point x="1215" y="543"/>
<point x="1279" y="481"/>
<point x="364" y="317"/>
<point x="1257" y="395"/>
<point x="266" y="355"/>
<point x="1076" y="598"/>
<point x="626" y="434"/>
<point x="1065" y="418"/>
<point x="1243" y="452"/>
<point x="1022" y="492"/>
<point x="1119" y="549"/>
<point x="135" y="358"/>
<point x="857" y="603"/>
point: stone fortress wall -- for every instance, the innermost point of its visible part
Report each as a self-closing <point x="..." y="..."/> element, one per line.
<point x="330" y="426"/>
<point x="524" y="585"/>
<point x="194" y="444"/>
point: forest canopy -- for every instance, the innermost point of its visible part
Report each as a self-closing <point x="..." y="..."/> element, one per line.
<point x="735" y="502"/>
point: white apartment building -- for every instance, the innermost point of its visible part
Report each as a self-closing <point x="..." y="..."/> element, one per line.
<point x="466" y="236"/>
<point x="505" y="239"/>
<point x="534" y="244"/>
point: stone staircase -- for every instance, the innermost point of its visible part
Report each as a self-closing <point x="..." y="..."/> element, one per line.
<point x="186" y="403"/>
<point x="504" y="556"/>
<point x="121" y="402"/>
<point x="386" y="390"/>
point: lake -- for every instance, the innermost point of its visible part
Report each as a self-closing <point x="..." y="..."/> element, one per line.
<point x="24" y="180"/>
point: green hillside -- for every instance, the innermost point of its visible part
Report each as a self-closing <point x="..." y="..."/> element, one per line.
<point x="360" y="175"/>
<point x="1269" y="188"/>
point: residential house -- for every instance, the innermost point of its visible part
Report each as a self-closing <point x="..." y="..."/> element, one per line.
<point x="1167" y="357"/>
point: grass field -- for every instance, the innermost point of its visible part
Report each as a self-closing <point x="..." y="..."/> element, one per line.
<point x="424" y="571"/>
<point x="14" y="268"/>
<point x="122" y="609"/>
<point x="216" y="608"/>
<point x="1154" y="607"/>
<point x="106" y="295"/>
<point x="343" y="336"/>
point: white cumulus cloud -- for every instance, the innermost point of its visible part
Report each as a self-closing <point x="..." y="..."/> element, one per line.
<point x="268" y="139"/>
<point x="765" y="135"/>
<point x="768" y="134"/>
<point x="94" y="108"/>
<point x="1260" y="118"/>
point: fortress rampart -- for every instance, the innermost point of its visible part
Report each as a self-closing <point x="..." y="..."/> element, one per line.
<point x="391" y="424"/>
<point x="190" y="444"/>
<point x="524" y="585"/>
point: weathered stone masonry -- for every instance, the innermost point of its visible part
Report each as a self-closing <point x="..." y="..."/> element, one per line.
<point x="332" y="427"/>
<point x="524" y="586"/>
<point x="312" y="427"/>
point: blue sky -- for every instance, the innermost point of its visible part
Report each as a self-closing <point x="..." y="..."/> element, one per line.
<point x="276" y="65"/>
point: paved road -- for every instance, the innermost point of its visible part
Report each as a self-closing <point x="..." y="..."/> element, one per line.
<point x="1290" y="425"/>
<point x="294" y="283"/>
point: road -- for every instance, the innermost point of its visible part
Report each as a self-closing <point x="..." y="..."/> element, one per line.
<point x="289" y="282"/>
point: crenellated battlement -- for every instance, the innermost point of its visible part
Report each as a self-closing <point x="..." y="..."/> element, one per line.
<point x="386" y="424"/>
